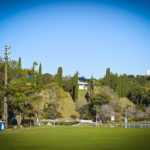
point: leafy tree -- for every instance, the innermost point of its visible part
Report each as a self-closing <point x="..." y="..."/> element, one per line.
<point x="67" y="84"/>
<point x="12" y="70"/>
<point x="141" y="80"/>
<point x="96" y="101"/>
<point x="100" y="99"/>
<point x="137" y="95"/>
<point x="80" y="107"/>
<point x="35" y="103"/>
<point x="54" y="95"/>
<point x="47" y="78"/>
<point x="105" y="112"/>
<point x="19" y="94"/>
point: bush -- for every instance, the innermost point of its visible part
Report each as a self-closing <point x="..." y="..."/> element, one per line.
<point x="73" y="116"/>
<point x="66" y="123"/>
<point x="26" y="122"/>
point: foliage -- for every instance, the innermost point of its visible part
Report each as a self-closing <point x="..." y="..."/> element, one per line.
<point x="20" y="99"/>
<point x="81" y="108"/>
<point x="47" y="78"/>
<point x="67" y="84"/>
<point x="67" y="123"/>
<point x="19" y="70"/>
<point x="55" y="93"/>
<point x="39" y="80"/>
<point x="75" y="87"/>
<point x="105" y="112"/>
<point x="59" y="77"/>
<point x="100" y="99"/>
<point x="45" y="96"/>
<point x="91" y="87"/>
<point x="96" y="101"/>
<point x="124" y="103"/>
<point x="33" y="74"/>
<point x="137" y="95"/>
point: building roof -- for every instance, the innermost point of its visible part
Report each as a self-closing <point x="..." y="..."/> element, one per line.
<point x="31" y="76"/>
<point x="82" y="79"/>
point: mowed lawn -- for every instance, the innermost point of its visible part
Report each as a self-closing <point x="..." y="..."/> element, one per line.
<point x="76" y="138"/>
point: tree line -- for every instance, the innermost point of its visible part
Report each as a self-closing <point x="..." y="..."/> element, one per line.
<point x="114" y="94"/>
<point x="24" y="90"/>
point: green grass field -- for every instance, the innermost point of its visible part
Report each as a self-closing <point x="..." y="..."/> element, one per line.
<point x="76" y="138"/>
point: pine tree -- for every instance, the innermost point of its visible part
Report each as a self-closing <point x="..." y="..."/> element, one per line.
<point x="59" y="77"/>
<point x="39" y="82"/>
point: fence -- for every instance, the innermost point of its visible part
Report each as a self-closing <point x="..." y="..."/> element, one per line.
<point x="130" y="125"/>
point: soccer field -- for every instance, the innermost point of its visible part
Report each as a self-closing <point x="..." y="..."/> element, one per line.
<point x="76" y="138"/>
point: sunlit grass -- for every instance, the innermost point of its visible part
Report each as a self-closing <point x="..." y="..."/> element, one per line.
<point x="75" y="138"/>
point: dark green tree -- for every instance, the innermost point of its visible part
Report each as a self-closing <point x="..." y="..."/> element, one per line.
<point x="75" y="87"/>
<point x="121" y="86"/>
<point x="33" y="74"/>
<point x="107" y="77"/>
<point x="91" y="86"/>
<point x="100" y="99"/>
<point x="137" y="95"/>
<point x="113" y="81"/>
<point x="19" y="67"/>
<point x="96" y="101"/>
<point x="59" y="77"/>
<point x="39" y="81"/>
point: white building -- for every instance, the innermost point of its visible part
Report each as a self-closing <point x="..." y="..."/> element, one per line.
<point x="148" y="72"/>
<point x="83" y="83"/>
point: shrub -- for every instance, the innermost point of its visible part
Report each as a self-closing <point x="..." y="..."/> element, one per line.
<point x="66" y="123"/>
<point x="73" y="116"/>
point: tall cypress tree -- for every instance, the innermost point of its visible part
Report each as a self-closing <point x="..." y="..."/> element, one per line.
<point x="121" y="88"/>
<point x="19" y="67"/>
<point x="107" y="77"/>
<point x="39" y="82"/>
<point x="118" y="86"/>
<point x="124" y="82"/>
<point x="32" y="74"/>
<point x="91" y="86"/>
<point x="59" y="77"/>
<point x="75" y="87"/>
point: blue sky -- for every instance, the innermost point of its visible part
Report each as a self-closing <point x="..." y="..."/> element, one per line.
<point x="83" y="36"/>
